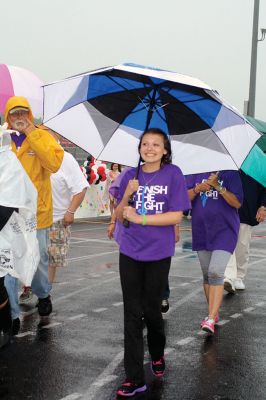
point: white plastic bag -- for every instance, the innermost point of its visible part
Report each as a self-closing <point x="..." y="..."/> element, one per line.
<point x="19" y="249"/>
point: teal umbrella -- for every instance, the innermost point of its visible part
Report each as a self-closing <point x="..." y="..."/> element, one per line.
<point x="261" y="127"/>
<point x="255" y="163"/>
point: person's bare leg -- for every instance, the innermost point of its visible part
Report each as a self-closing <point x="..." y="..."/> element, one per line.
<point x="111" y="207"/>
<point x="206" y="287"/>
<point x="215" y="299"/>
<point x="51" y="274"/>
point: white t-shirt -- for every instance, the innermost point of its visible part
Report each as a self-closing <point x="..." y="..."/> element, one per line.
<point x="66" y="182"/>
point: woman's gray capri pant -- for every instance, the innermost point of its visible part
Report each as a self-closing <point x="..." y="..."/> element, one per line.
<point x="213" y="265"/>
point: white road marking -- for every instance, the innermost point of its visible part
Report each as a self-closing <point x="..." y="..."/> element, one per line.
<point x="183" y="300"/>
<point x="256" y="262"/>
<point x="110" y="272"/>
<point x="90" y="229"/>
<point x="177" y="257"/>
<point x="94" y="275"/>
<point x="223" y="322"/>
<point x="67" y="296"/>
<point x="73" y="396"/>
<point x="51" y="325"/>
<point x="237" y="315"/>
<point x="169" y="350"/>
<point x="260" y="304"/>
<point x="106" y="379"/>
<point x="261" y="255"/>
<point x="185" y="284"/>
<point x="90" y="241"/>
<point x="201" y="333"/>
<point x="120" y="303"/>
<point x="249" y="309"/>
<point x="91" y="256"/>
<point x="98" y="310"/>
<point x="185" y="341"/>
<point x="23" y="334"/>
<point x="92" y="391"/>
<point x="62" y="283"/>
<point x="76" y="317"/>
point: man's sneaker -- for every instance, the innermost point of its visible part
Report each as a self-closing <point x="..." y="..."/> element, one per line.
<point x="26" y="295"/>
<point x="239" y="284"/>
<point x="165" y="306"/>
<point x="129" y="389"/>
<point x="208" y="326"/>
<point x="158" y="367"/>
<point x="229" y="286"/>
<point x="45" y="306"/>
<point x="15" y="326"/>
<point x="216" y="320"/>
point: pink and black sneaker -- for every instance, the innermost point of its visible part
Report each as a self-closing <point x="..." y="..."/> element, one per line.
<point x="208" y="326"/>
<point x="158" y="367"/>
<point x="129" y="389"/>
<point x="217" y="318"/>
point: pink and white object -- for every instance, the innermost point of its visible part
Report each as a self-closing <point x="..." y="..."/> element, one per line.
<point x="16" y="81"/>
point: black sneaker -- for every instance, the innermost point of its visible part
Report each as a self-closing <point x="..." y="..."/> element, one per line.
<point x="5" y="339"/>
<point x="158" y="367"/>
<point x="165" y="306"/>
<point x="128" y="389"/>
<point x="15" y="326"/>
<point x="45" y="306"/>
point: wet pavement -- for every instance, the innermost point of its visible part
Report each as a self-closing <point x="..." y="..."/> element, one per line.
<point x="77" y="353"/>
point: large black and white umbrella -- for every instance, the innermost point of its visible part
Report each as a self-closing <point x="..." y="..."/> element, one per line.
<point x="105" y="111"/>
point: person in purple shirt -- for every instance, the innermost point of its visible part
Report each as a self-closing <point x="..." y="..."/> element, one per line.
<point x="215" y="198"/>
<point x="146" y="247"/>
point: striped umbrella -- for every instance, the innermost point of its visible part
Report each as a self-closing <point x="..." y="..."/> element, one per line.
<point x="105" y="112"/>
<point x="16" y="81"/>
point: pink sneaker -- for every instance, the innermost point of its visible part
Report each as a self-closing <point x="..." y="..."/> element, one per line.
<point x="217" y="318"/>
<point x="208" y="326"/>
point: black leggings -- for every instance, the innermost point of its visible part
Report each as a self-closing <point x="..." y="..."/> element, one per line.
<point x="143" y="285"/>
<point x="3" y="292"/>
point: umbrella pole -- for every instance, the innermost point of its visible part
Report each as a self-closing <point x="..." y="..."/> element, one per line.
<point x="131" y="198"/>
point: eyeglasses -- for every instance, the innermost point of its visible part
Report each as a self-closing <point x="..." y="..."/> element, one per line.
<point x="19" y="113"/>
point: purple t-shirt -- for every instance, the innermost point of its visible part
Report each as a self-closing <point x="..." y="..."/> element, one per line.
<point x="215" y="224"/>
<point x="158" y="192"/>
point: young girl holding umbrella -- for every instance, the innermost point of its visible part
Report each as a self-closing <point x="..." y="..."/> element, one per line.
<point x="158" y="197"/>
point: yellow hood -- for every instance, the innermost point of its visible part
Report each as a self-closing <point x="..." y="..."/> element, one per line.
<point x="17" y="101"/>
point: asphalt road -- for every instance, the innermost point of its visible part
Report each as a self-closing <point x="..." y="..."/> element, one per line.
<point x="77" y="353"/>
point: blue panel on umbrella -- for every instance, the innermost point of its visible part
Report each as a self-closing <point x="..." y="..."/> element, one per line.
<point x="137" y="118"/>
<point x="158" y="121"/>
<point x="206" y="109"/>
<point x="156" y="81"/>
<point x="100" y="85"/>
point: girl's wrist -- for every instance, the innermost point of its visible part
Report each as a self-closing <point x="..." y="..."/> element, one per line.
<point x="195" y="190"/>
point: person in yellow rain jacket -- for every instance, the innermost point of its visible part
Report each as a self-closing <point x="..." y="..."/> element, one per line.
<point x="40" y="155"/>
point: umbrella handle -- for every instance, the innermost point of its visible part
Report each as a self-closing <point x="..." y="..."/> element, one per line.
<point x="131" y="198"/>
<point x="130" y="203"/>
<point x="125" y="223"/>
